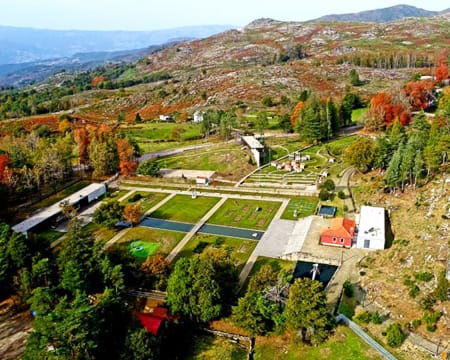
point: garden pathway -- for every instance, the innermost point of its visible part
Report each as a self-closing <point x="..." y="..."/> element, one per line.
<point x="195" y="229"/>
<point x="254" y="256"/>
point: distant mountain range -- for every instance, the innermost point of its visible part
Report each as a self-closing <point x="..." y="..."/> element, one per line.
<point x="20" y="45"/>
<point x="382" y="15"/>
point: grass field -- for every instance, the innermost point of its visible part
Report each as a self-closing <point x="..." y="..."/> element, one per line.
<point x="114" y="195"/>
<point x="142" y="249"/>
<point x="184" y="208"/>
<point x="167" y="239"/>
<point x="229" y="160"/>
<point x="164" y="131"/>
<point x="304" y="206"/>
<point x="344" y="344"/>
<point x="147" y="201"/>
<point x="244" y="214"/>
<point x="238" y="249"/>
<point x="207" y="346"/>
<point x="100" y="233"/>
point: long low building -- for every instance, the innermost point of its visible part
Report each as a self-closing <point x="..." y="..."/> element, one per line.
<point x="51" y="214"/>
<point x="371" y="229"/>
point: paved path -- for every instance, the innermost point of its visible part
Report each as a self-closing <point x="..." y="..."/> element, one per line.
<point x="195" y="229"/>
<point x="254" y="256"/>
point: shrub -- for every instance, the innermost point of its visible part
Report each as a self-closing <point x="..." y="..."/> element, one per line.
<point x="348" y="288"/>
<point x="431" y="327"/>
<point x="134" y="198"/>
<point x="324" y="195"/>
<point x="395" y="335"/>
<point x="376" y="318"/>
<point x="345" y="208"/>
<point x="414" y="291"/>
<point x="150" y="167"/>
<point x="364" y="317"/>
<point x="423" y="276"/>
<point x="328" y="185"/>
<point x="427" y="302"/>
<point x="341" y="195"/>
<point x="443" y="285"/>
<point x="416" y="323"/>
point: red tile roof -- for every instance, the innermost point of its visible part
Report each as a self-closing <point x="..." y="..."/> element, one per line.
<point x="340" y="227"/>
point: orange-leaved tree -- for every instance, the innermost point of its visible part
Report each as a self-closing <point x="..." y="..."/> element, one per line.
<point x="127" y="165"/>
<point x="133" y="213"/>
<point x="5" y="161"/>
<point x="82" y="138"/>
<point x="295" y="114"/>
<point x="442" y="66"/>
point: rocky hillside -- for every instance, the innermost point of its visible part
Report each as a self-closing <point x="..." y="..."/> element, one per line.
<point x="269" y="57"/>
<point x="383" y="15"/>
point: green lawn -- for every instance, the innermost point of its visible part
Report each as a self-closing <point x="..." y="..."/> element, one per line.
<point x="167" y="239"/>
<point x="207" y="346"/>
<point x="142" y="249"/>
<point x="304" y="206"/>
<point x="343" y="345"/>
<point x="250" y="214"/>
<point x="358" y="114"/>
<point x="147" y="200"/>
<point x="163" y="131"/>
<point x="238" y="249"/>
<point x="114" y="195"/>
<point x="100" y="233"/>
<point x="184" y="208"/>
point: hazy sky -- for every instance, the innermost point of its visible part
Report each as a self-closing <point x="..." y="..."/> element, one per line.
<point x="160" y="14"/>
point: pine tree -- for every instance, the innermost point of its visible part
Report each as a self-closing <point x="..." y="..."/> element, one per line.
<point x="393" y="175"/>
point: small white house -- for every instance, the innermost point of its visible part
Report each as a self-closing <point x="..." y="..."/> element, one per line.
<point x="198" y="117"/>
<point x="202" y="180"/>
<point x="166" y="117"/>
<point x="371" y="228"/>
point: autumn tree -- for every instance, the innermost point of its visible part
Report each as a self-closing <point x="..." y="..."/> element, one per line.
<point x="442" y="66"/>
<point x="296" y="113"/>
<point x="127" y="164"/>
<point x="5" y="161"/>
<point x="156" y="271"/>
<point x="419" y="94"/>
<point x="82" y="139"/>
<point x="133" y="213"/>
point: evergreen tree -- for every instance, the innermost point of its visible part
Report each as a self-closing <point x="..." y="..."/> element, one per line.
<point x="398" y="135"/>
<point x="382" y="153"/>
<point x="306" y="311"/>
<point x="393" y="175"/>
<point x="418" y="167"/>
<point x="310" y="125"/>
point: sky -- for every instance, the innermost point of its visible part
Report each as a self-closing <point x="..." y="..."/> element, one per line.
<point x="163" y="14"/>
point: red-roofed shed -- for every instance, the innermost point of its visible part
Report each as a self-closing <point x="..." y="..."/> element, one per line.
<point x="340" y="233"/>
<point x="151" y="323"/>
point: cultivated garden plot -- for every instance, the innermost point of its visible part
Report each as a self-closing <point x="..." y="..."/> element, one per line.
<point x="243" y="213"/>
<point x="146" y="239"/>
<point x="239" y="250"/>
<point x="146" y="199"/>
<point x="185" y="209"/>
<point x="300" y="207"/>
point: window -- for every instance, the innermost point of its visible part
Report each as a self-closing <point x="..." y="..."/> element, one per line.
<point x="342" y="240"/>
<point x="366" y="244"/>
<point x="334" y="239"/>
